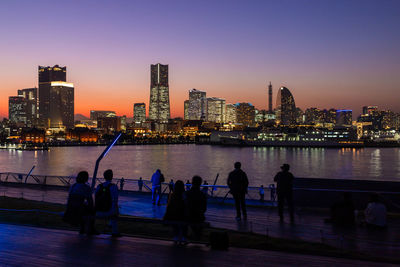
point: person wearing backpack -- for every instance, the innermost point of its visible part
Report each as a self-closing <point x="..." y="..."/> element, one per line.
<point x="106" y="202"/>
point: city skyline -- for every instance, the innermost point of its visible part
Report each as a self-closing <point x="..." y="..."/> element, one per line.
<point x="346" y="61"/>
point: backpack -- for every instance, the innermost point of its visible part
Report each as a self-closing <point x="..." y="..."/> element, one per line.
<point x="103" y="198"/>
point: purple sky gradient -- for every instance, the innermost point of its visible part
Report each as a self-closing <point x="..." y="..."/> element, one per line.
<point x="329" y="53"/>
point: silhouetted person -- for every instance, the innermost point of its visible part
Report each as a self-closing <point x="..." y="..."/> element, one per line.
<point x="272" y="190"/>
<point x="140" y="184"/>
<point x="175" y="213"/>
<point x="196" y="206"/>
<point x="375" y="213"/>
<point x="262" y="192"/>
<point x="80" y="208"/>
<point x="187" y="185"/>
<point x="342" y="212"/>
<point x="284" y="187"/>
<point x="156" y="179"/>
<point x="205" y="188"/>
<point x="238" y="184"/>
<point x="106" y="197"/>
<point x="171" y="186"/>
<point x="121" y="184"/>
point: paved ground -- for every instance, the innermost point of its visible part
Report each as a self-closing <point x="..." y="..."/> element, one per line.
<point x="30" y="246"/>
<point x="309" y="225"/>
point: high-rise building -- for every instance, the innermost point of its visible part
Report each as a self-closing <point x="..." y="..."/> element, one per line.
<point x="30" y="96"/>
<point x="139" y="112"/>
<point x="245" y="114"/>
<point x="97" y="114"/>
<point x="159" y="109"/>
<point x="17" y="106"/>
<point x="368" y="110"/>
<point x="344" y="117"/>
<point x="216" y="111"/>
<point x="270" y="97"/>
<point x="186" y="109"/>
<point x="285" y="107"/>
<point x="56" y="98"/>
<point x="197" y="105"/>
<point x="230" y="113"/>
<point x="314" y="116"/>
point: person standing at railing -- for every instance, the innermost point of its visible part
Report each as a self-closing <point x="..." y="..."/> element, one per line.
<point x="156" y="179"/>
<point x="238" y="184"/>
<point x="284" y="187"/>
<point x="121" y="184"/>
<point x="140" y="184"/>
<point x="262" y="193"/>
<point x="171" y="186"/>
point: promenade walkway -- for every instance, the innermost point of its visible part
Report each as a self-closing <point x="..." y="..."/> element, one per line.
<point x="30" y="246"/>
<point x="309" y="225"/>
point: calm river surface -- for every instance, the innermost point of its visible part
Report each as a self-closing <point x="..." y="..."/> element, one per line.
<point x="183" y="161"/>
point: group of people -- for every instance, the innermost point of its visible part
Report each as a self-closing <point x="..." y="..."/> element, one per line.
<point x="82" y="210"/>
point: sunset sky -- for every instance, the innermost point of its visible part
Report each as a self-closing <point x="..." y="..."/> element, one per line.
<point x="329" y="53"/>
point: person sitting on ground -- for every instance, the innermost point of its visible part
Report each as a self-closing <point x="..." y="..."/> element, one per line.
<point x="262" y="193"/>
<point x="238" y="184"/>
<point x="375" y="213"/>
<point x="106" y="197"/>
<point x="342" y="212"/>
<point x="140" y="184"/>
<point x="175" y="213"/>
<point x="284" y="188"/>
<point x="156" y="179"/>
<point x="196" y="206"/>
<point x="80" y="208"/>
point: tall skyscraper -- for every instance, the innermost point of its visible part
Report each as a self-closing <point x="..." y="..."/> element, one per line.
<point x="245" y="114"/>
<point x="139" y="112"/>
<point x="186" y="110"/>
<point x="344" y="117"/>
<point x="230" y="113"/>
<point x="270" y="97"/>
<point x="285" y="107"/>
<point x="216" y="111"/>
<point x="159" y="109"/>
<point x="56" y="98"/>
<point x="17" y="107"/>
<point x="30" y="96"/>
<point x="197" y="105"/>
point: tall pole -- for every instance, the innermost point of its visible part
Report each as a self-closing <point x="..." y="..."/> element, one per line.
<point x="117" y="136"/>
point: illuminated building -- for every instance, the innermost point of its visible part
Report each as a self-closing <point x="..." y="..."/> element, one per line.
<point x="96" y="114"/>
<point x="344" y="117"/>
<point x="285" y="107"/>
<point x="230" y="113"/>
<point x="17" y="106"/>
<point x="270" y="98"/>
<point x="197" y="105"/>
<point x="56" y="98"/>
<point x="109" y="124"/>
<point x="30" y="96"/>
<point x="216" y="109"/>
<point x="314" y="116"/>
<point x="186" y="109"/>
<point x="369" y="110"/>
<point x="139" y="112"/>
<point x="33" y="135"/>
<point x="159" y="109"/>
<point x="245" y="114"/>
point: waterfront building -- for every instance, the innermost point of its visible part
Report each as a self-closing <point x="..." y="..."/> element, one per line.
<point x="230" y="113"/>
<point x="216" y="109"/>
<point x="159" y="108"/>
<point x="369" y="110"/>
<point x="96" y="114"/>
<point x="344" y="117"/>
<point x="329" y="116"/>
<point x="197" y="105"/>
<point x="109" y="124"/>
<point x="270" y="98"/>
<point x="139" y="112"/>
<point x="17" y="106"/>
<point x="30" y="96"/>
<point x="186" y="110"/>
<point x="245" y="114"/>
<point x="56" y="98"/>
<point x="314" y="116"/>
<point x="285" y="107"/>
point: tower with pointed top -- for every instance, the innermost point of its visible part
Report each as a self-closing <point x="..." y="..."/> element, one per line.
<point x="270" y="97"/>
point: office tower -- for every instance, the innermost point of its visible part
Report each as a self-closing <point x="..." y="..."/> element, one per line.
<point x="245" y="114"/>
<point x="314" y="116"/>
<point x="285" y="107"/>
<point x="344" y="117"/>
<point x="197" y="105"/>
<point x="186" y="110"/>
<point x="56" y="98"/>
<point x="30" y="96"/>
<point x="159" y="109"/>
<point x="97" y="114"/>
<point x="369" y="110"/>
<point x="270" y="97"/>
<point x="216" y="109"/>
<point x="17" y="106"/>
<point x="139" y="112"/>
<point x="230" y="113"/>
